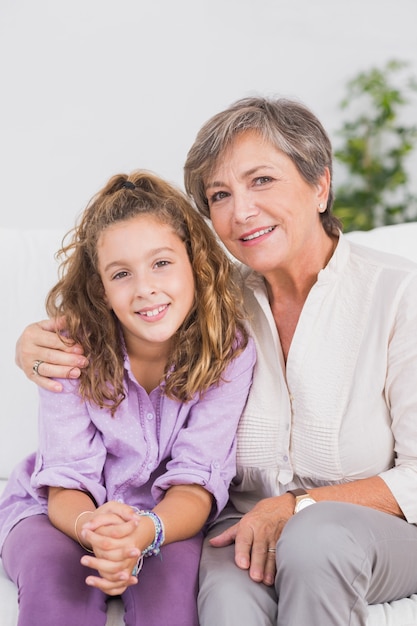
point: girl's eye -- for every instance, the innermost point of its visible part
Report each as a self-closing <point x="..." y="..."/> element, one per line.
<point x="119" y="275"/>
<point x="262" y="180"/>
<point x="219" y="195"/>
<point x="161" y="263"/>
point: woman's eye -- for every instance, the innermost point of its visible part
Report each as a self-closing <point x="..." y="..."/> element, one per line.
<point x="262" y="180"/>
<point x="219" y="195"/>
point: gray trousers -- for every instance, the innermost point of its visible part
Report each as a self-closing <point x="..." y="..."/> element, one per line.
<point x="333" y="559"/>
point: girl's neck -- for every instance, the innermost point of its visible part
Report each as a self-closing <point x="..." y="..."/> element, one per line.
<point x="148" y="363"/>
<point x="149" y="374"/>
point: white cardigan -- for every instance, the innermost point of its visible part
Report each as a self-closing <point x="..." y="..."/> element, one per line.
<point x="348" y="394"/>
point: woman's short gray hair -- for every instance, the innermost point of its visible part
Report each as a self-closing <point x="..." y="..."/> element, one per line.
<point x="287" y="124"/>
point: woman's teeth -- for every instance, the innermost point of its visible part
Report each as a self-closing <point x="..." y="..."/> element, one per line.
<point x="258" y="233"/>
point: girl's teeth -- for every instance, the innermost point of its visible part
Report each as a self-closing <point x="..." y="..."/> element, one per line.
<point x="153" y="312"/>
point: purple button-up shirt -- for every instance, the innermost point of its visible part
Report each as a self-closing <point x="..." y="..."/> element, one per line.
<point x="151" y="443"/>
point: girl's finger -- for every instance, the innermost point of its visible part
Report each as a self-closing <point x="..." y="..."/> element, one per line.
<point x="108" y="587"/>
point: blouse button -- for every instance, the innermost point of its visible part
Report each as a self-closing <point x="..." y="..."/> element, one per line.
<point x="149" y="416"/>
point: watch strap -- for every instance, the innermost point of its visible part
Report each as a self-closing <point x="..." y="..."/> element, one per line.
<point x="302" y="499"/>
<point x="298" y="492"/>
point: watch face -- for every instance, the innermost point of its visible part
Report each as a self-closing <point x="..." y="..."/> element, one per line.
<point x="303" y="503"/>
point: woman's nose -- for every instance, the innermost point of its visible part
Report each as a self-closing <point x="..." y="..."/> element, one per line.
<point x="244" y="207"/>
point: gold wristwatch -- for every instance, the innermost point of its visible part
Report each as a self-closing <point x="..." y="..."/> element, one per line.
<point x="302" y="499"/>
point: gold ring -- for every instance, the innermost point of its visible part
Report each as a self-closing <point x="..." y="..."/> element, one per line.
<point x="35" y="367"/>
<point x="271" y="550"/>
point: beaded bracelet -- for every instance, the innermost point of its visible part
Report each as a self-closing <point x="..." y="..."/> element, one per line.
<point x="138" y="566"/>
<point x="154" y="547"/>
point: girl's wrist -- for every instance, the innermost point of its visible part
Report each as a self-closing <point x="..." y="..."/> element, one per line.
<point x="76" y="533"/>
<point x="154" y="547"/>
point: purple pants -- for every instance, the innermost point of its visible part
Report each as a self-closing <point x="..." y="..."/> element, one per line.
<point x="45" y="565"/>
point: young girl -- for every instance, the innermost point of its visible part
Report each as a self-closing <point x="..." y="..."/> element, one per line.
<point x="136" y="456"/>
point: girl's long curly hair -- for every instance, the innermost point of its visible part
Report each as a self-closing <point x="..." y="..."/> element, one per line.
<point x="212" y="334"/>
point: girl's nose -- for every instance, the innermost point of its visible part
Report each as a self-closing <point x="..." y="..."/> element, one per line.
<point x="145" y="285"/>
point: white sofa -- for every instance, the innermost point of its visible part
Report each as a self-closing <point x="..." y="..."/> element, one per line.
<point x="27" y="270"/>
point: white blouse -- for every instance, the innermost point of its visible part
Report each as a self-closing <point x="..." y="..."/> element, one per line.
<point x="345" y="405"/>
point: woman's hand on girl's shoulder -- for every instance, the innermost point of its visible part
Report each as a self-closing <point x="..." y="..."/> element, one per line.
<point x="42" y="355"/>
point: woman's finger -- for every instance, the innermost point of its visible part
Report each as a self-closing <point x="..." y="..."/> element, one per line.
<point x="40" y="353"/>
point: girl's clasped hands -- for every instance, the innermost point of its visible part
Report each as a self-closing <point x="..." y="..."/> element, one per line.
<point x="113" y="531"/>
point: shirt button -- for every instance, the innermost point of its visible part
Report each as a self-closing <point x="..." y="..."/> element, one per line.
<point x="150" y="466"/>
<point x="285" y="458"/>
<point x="149" y="416"/>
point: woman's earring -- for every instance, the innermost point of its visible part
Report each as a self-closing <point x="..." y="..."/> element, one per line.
<point x="321" y="207"/>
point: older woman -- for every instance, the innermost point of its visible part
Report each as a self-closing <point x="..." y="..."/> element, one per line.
<point x="323" y="509"/>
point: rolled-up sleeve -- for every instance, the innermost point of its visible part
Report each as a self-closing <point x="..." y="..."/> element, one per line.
<point x="71" y="452"/>
<point x="401" y="396"/>
<point x="204" y="451"/>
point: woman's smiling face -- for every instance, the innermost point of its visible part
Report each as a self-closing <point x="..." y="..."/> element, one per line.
<point x="262" y="209"/>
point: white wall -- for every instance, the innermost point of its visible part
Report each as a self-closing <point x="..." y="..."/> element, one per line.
<point x="93" y="87"/>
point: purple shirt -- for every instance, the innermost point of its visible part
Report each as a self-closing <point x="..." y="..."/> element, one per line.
<point x="151" y="443"/>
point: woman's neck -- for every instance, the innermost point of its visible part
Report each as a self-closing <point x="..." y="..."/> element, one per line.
<point x="294" y="282"/>
<point x="288" y="290"/>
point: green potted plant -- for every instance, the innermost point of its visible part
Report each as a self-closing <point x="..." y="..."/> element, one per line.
<point x="375" y="146"/>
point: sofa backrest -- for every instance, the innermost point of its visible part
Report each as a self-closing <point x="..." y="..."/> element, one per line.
<point x="27" y="271"/>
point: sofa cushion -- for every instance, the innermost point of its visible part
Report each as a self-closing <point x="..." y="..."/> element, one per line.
<point x="398" y="239"/>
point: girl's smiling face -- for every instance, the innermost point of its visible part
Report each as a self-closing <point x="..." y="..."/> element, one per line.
<point x="148" y="279"/>
<point x="262" y="209"/>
